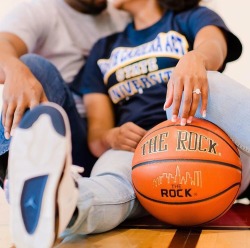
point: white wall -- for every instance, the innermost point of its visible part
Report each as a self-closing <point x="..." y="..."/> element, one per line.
<point x="235" y="14"/>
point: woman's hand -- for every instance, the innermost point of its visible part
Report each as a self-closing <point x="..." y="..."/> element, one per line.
<point x="188" y="84"/>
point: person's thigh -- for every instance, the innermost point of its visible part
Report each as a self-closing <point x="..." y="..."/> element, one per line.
<point x="228" y="108"/>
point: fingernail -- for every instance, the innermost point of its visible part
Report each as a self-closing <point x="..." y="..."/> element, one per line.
<point x="190" y="119"/>
<point x="12" y="132"/>
<point x="164" y="108"/>
<point x="7" y="135"/>
<point x="183" y="121"/>
<point x="204" y="113"/>
<point x="174" y="118"/>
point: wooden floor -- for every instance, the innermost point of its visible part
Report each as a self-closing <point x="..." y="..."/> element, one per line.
<point x="141" y="238"/>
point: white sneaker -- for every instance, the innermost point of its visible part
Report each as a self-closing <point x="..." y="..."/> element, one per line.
<point x="43" y="195"/>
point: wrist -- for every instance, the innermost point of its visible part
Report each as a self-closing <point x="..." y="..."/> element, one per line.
<point x="108" y="138"/>
<point x="201" y="57"/>
<point x="212" y="59"/>
<point x="8" y="63"/>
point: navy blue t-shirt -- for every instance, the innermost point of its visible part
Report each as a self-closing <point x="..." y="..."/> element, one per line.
<point x="133" y="67"/>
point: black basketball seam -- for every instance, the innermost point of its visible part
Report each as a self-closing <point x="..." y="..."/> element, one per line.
<point x="221" y="214"/>
<point x="190" y="202"/>
<point x="235" y="151"/>
<point x="148" y="133"/>
<point x="186" y="160"/>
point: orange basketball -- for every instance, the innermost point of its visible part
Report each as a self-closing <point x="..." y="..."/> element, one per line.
<point x="186" y="175"/>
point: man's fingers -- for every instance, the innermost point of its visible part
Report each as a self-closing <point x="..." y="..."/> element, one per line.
<point x="33" y="103"/>
<point x="129" y="144"/>
<point x="134" y="138"/>
<point x="8" y="120"/>
<point x="19" y="111"/>
<point x="131" y="128"/>
<point x="4" y="110"/>
<point x="129" y="136"/>
<point x="44" y="98"/>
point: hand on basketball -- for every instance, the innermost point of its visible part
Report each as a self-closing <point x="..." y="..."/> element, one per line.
<point x="127" y="137"/>
<point x="187" y="86"/>
<point x="21" y="92"/>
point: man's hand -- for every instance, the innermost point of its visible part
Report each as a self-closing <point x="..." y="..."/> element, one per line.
<point x="126" y="137"/>
<point x="21" y="91"/>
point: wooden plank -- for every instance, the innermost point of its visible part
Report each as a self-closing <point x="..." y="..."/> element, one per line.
<point x="224" y="239"/>
<point x="126" y="238"/>
<point x="145" y="235"/>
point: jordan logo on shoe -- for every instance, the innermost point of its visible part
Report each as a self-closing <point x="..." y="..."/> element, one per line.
<point x="31" y="201"/>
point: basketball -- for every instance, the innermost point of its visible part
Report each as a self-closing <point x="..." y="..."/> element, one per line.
<point x="186" y="175"/>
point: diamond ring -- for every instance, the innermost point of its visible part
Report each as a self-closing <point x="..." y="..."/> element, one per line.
<point x="197" y="91"/>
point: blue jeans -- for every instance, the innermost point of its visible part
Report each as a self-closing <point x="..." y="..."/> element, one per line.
<point x="58" y="91"/>
<point x="107" y="197"/>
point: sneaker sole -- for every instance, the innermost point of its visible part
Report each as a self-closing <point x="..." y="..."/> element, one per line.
<point x="38" y="154"/>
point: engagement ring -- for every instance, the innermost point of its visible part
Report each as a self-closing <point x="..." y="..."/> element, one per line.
<point x="197" y="91"/>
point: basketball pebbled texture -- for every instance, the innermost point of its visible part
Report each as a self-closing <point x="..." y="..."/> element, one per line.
<point x="186" y="175"/>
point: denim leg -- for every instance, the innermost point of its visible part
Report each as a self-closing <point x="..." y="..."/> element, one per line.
<point x="4" y="143"/>
<point x="107" y="198"/>
<point x="57" y="91"/>
<point x="228" y="107"/>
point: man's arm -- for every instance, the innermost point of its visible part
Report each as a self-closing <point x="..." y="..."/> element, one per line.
<point x="11" y="47"/>
<point x="102" y="133"/>
<point x="21" y="90"/>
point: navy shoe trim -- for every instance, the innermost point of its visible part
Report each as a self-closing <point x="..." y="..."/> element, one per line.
<point x="56" y="117"/>
<point x="31" y="202"/>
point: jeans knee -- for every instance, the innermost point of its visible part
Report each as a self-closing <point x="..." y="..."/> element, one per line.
<point x="38" y="64"/>
<point x="44" y="71"/>
<point x="32" y="60"/>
